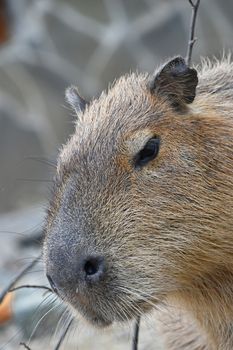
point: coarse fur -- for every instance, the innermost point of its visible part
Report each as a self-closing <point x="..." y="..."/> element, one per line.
<point x="166" y="229"/>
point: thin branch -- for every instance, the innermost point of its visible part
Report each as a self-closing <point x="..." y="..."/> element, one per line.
<point x="191" y="3"/>
<point x="192" y="39"/>
<point x="16" y="278"/>
<point x="30" y="286"/>
<point x="136" y="334"/>
<point x="63" y="335"/>
<point x="25" y="346"/>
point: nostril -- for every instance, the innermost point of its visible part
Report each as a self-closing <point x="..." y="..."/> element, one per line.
<point x="90" y="267"/>
<point x="52" y="284"/>
<point x="94" y="267"/>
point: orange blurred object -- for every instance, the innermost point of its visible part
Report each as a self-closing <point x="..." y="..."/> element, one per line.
<point x="4" y="23"/>
<point x="6" y="308"/>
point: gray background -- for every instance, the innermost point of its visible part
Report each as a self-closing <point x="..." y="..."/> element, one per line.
<point x="89" y="43"/>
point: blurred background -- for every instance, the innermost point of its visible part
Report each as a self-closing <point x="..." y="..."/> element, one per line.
<point x="46" y="45"/>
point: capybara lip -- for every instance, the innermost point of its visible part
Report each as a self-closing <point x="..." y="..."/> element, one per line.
<point x="122" y="313"/>
<point x="100" y="322"/>
<point x="93" y="317"/>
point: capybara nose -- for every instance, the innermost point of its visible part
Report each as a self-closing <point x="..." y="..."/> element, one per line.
<point x="70" y="272"/>
<point x="93" y="268"/>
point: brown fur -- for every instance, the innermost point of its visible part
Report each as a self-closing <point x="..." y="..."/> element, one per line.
<point x="166" y="230"/>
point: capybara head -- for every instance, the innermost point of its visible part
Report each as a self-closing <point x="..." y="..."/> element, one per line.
<point x="135" y="196"/>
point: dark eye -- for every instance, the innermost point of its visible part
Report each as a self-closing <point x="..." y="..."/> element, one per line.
<point x="149" y="152"/>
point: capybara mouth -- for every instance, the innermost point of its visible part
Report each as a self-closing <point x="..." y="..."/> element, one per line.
<point x="100" y="322"/>
<point x="105" y="316"/>
<point x="94" y="317"/>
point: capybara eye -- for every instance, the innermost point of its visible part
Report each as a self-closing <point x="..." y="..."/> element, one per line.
<point x="148" y="153"/>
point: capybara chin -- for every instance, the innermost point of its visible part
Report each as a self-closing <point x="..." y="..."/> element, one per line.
<point x="141" y="215"/>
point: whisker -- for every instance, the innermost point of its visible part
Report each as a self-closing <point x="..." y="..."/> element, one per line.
<point x="137" y="294"/>
<point x="63" y="314"/>
<point x="128" y="304"/>
<point x="34" y="271"/>
<point x="46" y="302"/>
<point x="70" y="330"/>
<point x="30" y="286"/>
<point x="136" y="326"/>
<point x="121" y="313"/>
<point x="28" y="258"/>
<point x="21" y="234"/>
<point x="42" y="160"/>
<point x="33" y="180"/>
<point x="160" y="307"/>
<point x="40" y="320"/>
<point x="60" y="341"/>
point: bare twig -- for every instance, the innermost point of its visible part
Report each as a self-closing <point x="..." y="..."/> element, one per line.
<point x="63" y="335"/>
<point x="25" y="346"/>
<point x="192" y="39"/>
<point x="136" y="334"/>
<point x="30" y="286"/>
<point x="16" y="278"/>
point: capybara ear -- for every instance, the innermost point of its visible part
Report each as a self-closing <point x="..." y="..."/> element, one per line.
<point x="176" y="82"/>
<point x="75" y="100"/>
